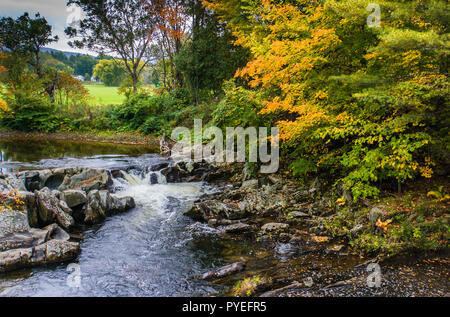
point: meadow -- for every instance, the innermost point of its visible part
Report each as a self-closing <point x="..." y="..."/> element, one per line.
<point x="103" y="95"/>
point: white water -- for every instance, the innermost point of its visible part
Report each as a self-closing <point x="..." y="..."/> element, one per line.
<point x="152" y="250"/>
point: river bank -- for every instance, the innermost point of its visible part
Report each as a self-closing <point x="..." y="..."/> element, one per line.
<point x="391" y="231"/>
<point x="112" y="137"/>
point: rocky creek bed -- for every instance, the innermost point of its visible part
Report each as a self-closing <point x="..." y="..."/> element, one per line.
<point x="148" y="227"/>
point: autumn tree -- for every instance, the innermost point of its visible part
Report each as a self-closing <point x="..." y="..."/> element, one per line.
<point x="364" y="104"/>
<point x="170" y="30"/>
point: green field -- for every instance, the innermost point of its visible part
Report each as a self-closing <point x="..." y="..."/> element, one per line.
<point x="102" y="95"/>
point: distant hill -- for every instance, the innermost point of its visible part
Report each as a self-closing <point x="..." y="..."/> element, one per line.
<point x="68" y="54"/>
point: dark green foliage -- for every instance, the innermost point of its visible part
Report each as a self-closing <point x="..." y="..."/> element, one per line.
<point x="146" y="113"/>
<point x="210" y="57"/>
<point x="30" y="113"/>
<point x="26" y="36"/>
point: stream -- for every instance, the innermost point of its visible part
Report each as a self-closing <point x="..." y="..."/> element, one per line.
<point x="154" y="250"/>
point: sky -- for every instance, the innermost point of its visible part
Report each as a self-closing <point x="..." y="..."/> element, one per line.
<point x="56" y="12"/>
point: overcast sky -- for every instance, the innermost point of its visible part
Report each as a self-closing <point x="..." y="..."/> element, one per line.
<point x="55" y="11"/>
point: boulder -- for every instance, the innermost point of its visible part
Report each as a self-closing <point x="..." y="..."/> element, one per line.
<point x="32" y="237"/>
<point x="86" y="179"/>
<point x="73" y="197"/>
<point x="273" y="226"/>
<point x="102" y="204"/>
<point x="14" y="183"/>
<point x="31" y="180"/>
<point x="297" y="214"/>
<point x="95" y="212"/>
<point x="153" y="179"/>
<point x="159" y="166"/>
<point x="31" y="208"/>
<point x="12" y="221"/>
<point x="205" y="210"/>
<point x="49" y="210"/>
<point x="250" y="184"/>
<point x="237" y="228"/>
<point x="357" y="229"/>
<point x="52" y="251"/>
<point x="267" y="199"/>
<point x="172" y="173"/>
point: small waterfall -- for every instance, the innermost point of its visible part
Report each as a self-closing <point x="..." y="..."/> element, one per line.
<point x="144" y="178"/>
<point x="151" y="190"/>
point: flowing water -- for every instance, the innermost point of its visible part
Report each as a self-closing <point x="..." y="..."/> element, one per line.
<point x="154" y="250"/>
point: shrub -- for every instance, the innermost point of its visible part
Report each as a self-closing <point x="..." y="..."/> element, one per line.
<point x="28" y="112"/>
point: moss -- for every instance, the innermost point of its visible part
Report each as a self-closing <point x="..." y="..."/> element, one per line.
<point x="249" y="286"/>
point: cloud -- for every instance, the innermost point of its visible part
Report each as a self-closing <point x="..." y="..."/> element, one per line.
<point x="55" y="11"/>
<point x="49" y="8"/>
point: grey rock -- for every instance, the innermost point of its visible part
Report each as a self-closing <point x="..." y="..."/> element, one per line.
<point x="102" y="204"/>
<point x="250" y="184"/>
<point x="274" y="179"/>
<point x="31" y="208"/>
<point x="237" y="227"/>
<point x="50" y="252"/>
<point x="297" y="214"/>
<point x="86" y="179"/>
<point x="13" y="221"/>
<point x="223" y="271"/>
<point x="32" y="237"/>
<point x="74" y="198"/>
<point x="49" y="210"/>
<point x="31" y="180"/>
<point x="94" y="210"/>
<point x="15" y="183"/>
<point x="273" y="226"/>
<point x="213" y="208"/>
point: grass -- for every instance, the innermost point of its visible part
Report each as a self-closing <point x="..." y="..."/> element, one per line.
<point x="103" y="95"/>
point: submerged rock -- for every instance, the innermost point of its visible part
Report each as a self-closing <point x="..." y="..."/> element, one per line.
<point x="223" y="271"/>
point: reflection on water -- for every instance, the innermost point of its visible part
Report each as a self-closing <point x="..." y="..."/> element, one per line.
<point x="21" y="154"/>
